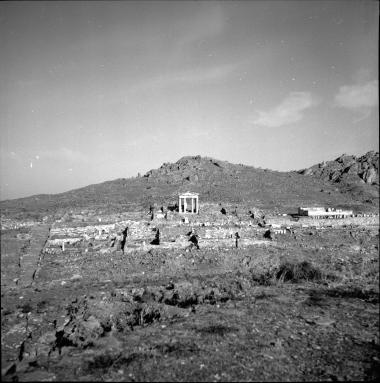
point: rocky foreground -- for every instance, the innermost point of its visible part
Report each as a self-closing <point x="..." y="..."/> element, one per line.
<point x="301" y="304"/>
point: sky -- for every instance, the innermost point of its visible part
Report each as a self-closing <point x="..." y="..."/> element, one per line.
<point x="93" y="91"/>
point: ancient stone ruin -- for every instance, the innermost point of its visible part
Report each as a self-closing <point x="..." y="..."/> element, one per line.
<point x="188" y="203"/>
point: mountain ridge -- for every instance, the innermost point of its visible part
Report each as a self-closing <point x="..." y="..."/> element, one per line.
<point x="222" y="182"/>
<point x="348" y="169"/>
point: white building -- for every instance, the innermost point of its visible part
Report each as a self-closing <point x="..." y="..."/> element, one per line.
<point x="322" y="212"/>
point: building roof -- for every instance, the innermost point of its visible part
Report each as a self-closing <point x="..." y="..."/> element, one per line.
<point x="188" y="194"/>
<point x="313" y="208"/>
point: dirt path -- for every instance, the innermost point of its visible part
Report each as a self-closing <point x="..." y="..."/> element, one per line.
<point x="30" y="260"/>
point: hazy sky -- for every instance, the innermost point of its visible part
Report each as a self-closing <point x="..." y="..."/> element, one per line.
<point x="92" y="91"/>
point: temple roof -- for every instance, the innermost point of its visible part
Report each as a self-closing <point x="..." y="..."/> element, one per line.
<point x="188" y="194"/>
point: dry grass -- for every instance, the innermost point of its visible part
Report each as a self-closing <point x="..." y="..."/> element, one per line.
<point x="298" y="271"/>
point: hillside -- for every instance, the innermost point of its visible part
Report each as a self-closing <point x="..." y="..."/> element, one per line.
<point x="217" y="181"/>
<point x="356" y="176"/>
<point x="348" y="169"/>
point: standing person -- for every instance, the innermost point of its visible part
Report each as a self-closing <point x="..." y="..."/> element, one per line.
<point x="156" y="240"/>
<point x="237" y="237"/>
<point x="151" y="212"/>
<point x="124" y="240"/>
<point x="194" y="240"/>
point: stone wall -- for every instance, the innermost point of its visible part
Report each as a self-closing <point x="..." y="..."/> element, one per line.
<point x="7" y="223"/>
<point x="215" y="230"/>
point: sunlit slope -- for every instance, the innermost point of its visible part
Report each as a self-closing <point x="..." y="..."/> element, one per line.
<point x="215" y="180"/>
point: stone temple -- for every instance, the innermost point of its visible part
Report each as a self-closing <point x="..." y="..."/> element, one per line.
<point x="188" y="203"/>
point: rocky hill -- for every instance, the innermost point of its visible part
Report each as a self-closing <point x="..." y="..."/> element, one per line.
<point x="348" y="169"/>
<point x="219" y="182"/>
<point x="355" y="176"/>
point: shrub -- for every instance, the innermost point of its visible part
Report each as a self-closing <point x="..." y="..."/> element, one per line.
<point x="296" y="272"/>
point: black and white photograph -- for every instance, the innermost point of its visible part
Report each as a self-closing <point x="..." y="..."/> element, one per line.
<point x="189" y="190"/>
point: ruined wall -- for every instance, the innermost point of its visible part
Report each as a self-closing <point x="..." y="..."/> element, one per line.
<point x="215" y="230"/>
<point x="8" y="223"/>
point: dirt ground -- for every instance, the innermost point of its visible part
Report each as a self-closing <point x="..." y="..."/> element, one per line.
<point x="304" y="307"/>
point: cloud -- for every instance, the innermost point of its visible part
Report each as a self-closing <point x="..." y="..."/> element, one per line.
<point x="358" y="96"/>
<point x="290" y="110"/>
